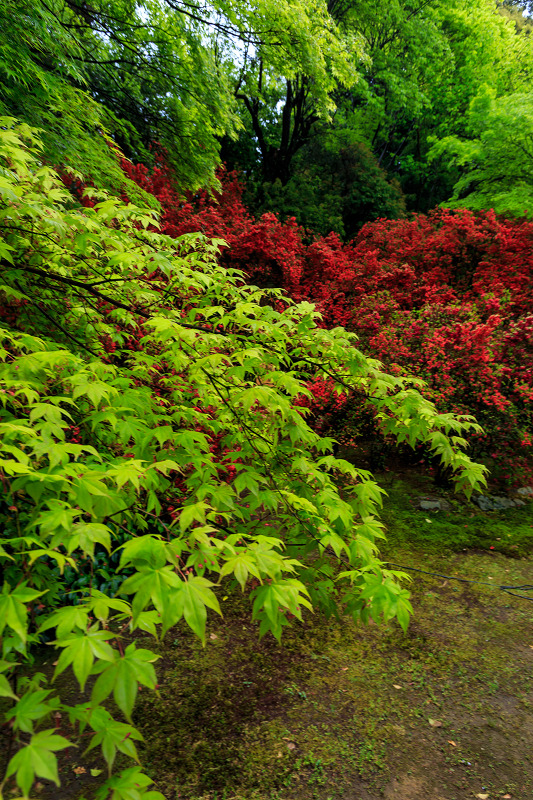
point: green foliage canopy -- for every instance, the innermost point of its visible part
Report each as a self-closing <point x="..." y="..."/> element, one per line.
<point x="140" y="73"/>
<point x="495" y="161"/>
<point x="427" y="62"/>
<point x="156" y="74"/>
<point x="137" y="375"/>
<point x="336" y="185"/>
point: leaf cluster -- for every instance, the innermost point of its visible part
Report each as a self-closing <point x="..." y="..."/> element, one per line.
<point x="146" y="390"/>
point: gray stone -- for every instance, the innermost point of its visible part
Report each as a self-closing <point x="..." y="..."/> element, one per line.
<point x="496" y="503"/>
<point x="433" y="504"/>
<point x="525" y="491"/>
<point x="501" y="503"/>
<point x="485" y="503"/>
<point x="429" y="505"/>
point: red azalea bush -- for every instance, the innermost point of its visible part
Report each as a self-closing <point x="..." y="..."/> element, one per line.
<point x="268" y="251"/>
<point x="446" y="296"/>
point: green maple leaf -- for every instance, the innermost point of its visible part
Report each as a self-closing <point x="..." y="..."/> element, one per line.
<point x="37" y="759"/>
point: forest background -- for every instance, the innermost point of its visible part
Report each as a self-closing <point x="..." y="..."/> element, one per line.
<point x="206" y="210"/>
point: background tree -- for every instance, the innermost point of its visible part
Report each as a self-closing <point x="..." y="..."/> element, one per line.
<point x="495" y="163"/>
<point x="283" y="98"/>
<point x="423" y="64"/>
<point x="155" y="74"/>
<point x="427" y="61"/>
<point x="336" y="185"/>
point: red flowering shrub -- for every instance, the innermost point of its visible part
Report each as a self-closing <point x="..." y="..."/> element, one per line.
<point x="446" y="296"/>
<point x="270" y="252"/>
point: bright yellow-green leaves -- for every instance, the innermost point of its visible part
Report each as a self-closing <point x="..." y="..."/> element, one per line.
<point x="495" y="160"/>
<point x="37" y="759"/>
<point x="148" y="413"/>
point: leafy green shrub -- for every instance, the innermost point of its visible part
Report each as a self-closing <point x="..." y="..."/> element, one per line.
<point x="335" y="187"/>
<point x="147" y="411"/>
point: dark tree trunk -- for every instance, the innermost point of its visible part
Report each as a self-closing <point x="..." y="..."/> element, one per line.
<point x="297" y="119"/>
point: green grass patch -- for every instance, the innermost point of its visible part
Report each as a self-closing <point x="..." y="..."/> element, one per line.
<point x="464" y="526"/>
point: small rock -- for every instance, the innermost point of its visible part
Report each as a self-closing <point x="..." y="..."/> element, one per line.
<point x="484" y="503"/>
<point x="525" y="491"/>
<point x="433" y="504"/>
<point x="495" y="503"/>
<point x="429" y="505"/>
<point x="502" y="503"/>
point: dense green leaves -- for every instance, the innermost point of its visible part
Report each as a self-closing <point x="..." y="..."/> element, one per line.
<point x="148" y="418"/>
<point x="161" y="74"/>
<point x="495" y="159"/>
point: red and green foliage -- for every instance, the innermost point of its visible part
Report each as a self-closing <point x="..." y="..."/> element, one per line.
<point x="153" y="455"/>
<point x="446" y="296"/>
<point x="271" y="253"/>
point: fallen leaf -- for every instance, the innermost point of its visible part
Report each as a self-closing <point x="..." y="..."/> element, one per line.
<point x="291" y="745"/>
<point x="96" y="772"/>
<point x="213" y="636"/>
<point x="397" y="686"/>
<point x="343" y="669"/>
<point x="279" y="754"/>
<point x="452" y="743"/>
<point x="428" y="520"/>
<point x="435" y="723"/>
<point x="79" y="770"/>
<point x="508" y="796"/>
<point x="482" y="796"/>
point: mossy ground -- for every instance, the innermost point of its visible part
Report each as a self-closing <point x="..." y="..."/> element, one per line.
<point x="339" y="711"/>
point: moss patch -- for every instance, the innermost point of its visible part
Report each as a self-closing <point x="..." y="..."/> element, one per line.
<point x="444" y="711"/>
<point x="337" y="711"/>
<point x="463" y="527"/>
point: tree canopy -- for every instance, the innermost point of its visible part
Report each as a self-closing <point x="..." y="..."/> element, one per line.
<point x="496" y="157"/>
